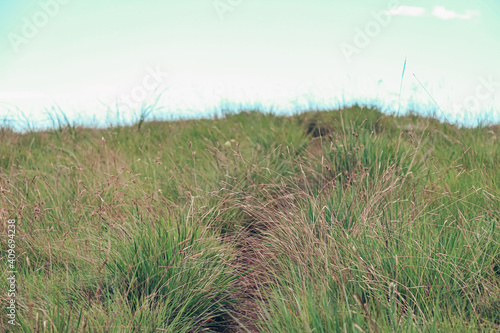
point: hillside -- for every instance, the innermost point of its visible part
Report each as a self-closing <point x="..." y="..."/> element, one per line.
<point x="340" y="221"/>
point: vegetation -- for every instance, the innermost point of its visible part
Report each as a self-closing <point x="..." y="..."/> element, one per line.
<point x="341" y="221"/>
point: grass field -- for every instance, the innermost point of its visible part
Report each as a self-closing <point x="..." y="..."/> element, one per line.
<point x="341" y="221"/>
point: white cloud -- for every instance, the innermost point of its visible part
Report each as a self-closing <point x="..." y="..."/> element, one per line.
<point x="446" y="14"/>
<point x="438" y="11"/>
<point x="407" y="11"/>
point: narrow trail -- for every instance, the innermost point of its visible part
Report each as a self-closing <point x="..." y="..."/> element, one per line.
<point x="248" y="261"/>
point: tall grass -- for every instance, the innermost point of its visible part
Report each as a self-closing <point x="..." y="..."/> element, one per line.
<point x="323" y="222"/>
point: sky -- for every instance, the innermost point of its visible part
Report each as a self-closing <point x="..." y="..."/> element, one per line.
<point x="100" y="62"/>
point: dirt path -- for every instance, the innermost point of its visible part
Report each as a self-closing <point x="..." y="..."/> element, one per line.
<point x="248" y="263"/>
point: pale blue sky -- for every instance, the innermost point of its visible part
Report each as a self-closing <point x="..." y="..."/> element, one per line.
<point x="288" y="55"/>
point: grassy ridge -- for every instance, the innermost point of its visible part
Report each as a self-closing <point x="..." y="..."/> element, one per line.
<point x="335" y="221"/>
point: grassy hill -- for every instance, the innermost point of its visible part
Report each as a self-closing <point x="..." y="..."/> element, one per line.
<point x="341" y="221"/>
